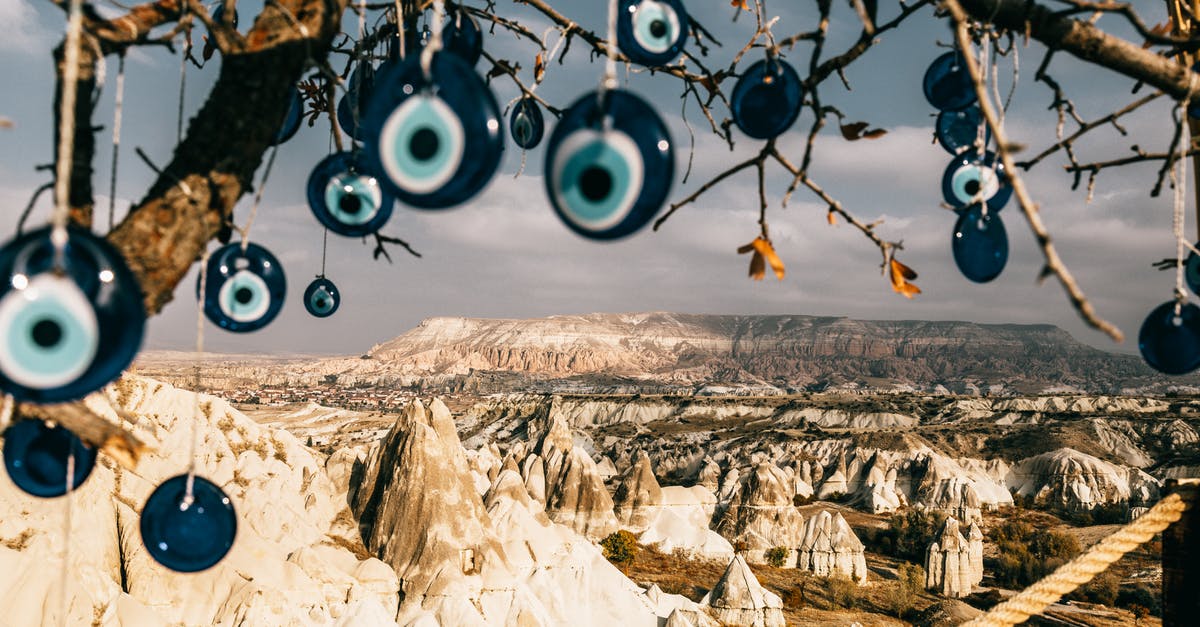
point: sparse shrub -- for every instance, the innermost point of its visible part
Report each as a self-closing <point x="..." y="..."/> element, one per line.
<point x="1141" y="596"/>
<point x="777" y="556"/>
<point x="902" y="595"/>
<point x="620" y="547"/>
<point x="1102" y="589"/>
<point x="1025" y="555"/>
<point x="984" y="600"/>
<point x="800" y="501"/>
<point x="910" y="533"/>
<point x="796" y="597"/>
<point x="842" y="591"/>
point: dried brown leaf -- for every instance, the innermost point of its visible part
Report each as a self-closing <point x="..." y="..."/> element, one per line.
<point x="764" y="247"/>
<point x="741" y="4"/>
<point x="858" y="130"/>
<point x="539" y="68"/>
<point x="900" y="276"/>
<point x="831" y="217"/>
<point x="758" y="266"/>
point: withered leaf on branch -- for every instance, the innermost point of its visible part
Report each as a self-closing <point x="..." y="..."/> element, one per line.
<point x="539" y="68"/>
<point x="900" y="276"/>
<point x="831" y="217"/>
<point x="764" y="253"/>
<point x="858" y="130"/>
<point x="503" y="66"/>
<point x="742" y="4"/>
<point x="1162" y="28"/>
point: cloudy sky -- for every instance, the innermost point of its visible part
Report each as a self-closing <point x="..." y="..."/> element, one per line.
<point x="505" y="254"/>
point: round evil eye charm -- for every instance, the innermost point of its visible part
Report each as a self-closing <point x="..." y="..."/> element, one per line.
<point x="609" y="166"/>
<point x="244" y="290"/>
<point x="970" y="179"/>
<point x="947" y="83"/>
<point x="291" y="121"/>
<point x="957" y="131"/>
<point x="346" y="198"/>
<point x="766" y="100"/>
<point x="65" y="330"/>
<point x="1191" y="271"/>
<point x="185" y="533"/>
<point x="980" y="244"/>
<point x="37" y="458"/>
<point x="438" y="143"/>
<point x="651" y="32"/>
<point x="1170" y="341"/>
<point x="351" y="109"/>
<point x="526" y="123"/>
<point x="462" y="36"/>
<point x="218" y="14"/>
<point x="322" y="297"/>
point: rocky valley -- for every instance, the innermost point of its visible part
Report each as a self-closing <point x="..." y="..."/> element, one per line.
<point x="760" y="476"/>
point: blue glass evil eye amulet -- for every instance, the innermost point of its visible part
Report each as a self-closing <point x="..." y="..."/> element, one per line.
<point x="526" y="123"/>
<point x="293" y="117"/>
<point x="438" y="143"/>
<point x="651" y="32"/>
<point x="947" y="83"/>
<point x="461" y="36"/>
<point x="980" y="244"/>
<point x="1191" y="271"/>
<point x="609" y="165"/>
<point x="322" y="297"/>
<point x="186" y="534"/>
<point x="1170" y="342"/>
<point x="956" y="131"/>
<point x="351" y="109"/>
<point x="346" y="198"/>
<point x="970" y="179"/>
<point x="766" y="100"/>
<point x="244" y="291"/>
<point x="37" y="456"/>
<point x="65" y="330"/>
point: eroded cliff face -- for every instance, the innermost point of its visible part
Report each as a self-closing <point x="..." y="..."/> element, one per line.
<point x="727" y="353"/>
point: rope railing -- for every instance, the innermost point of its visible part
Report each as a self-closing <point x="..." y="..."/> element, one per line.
<point x="1035" y="599"/>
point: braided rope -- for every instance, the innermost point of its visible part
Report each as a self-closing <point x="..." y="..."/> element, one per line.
<point x="1036" y="598"/>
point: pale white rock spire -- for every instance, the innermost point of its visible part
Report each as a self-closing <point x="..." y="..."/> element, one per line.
<point x="738" y="599"/>
<point x="951" y="566"/>
<point x="829" y="547"/>
<point x="638" y="498"/>
<point x="763" y="516"/>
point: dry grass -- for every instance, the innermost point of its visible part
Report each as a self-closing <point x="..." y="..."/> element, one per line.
<point x="20" y="542"/>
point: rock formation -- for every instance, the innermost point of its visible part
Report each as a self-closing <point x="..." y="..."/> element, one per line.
<point x="738" y="599"/>
<point x="639" y="496"/>
<point x="1070" y="479"/>
<point x="710" y="475"/>
<point x="828" y="546"/>
<point x="681" y="523"/>
<point x="953" y="563"/>
<point x="763" y="516"/>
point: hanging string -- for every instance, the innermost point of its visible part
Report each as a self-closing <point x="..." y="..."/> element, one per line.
<point x="66" y="132"/>
<point x="66" y="567"/>
<point x="187" y="50"/>
<point x="1179" y="182"/>
<point x="258" y="194"/>
<point x="363" y="57"/>
<point x="188" y="496"/>
<point x="435" y="40"/>
<point x="400" y="28"/>
<point x="324" y="248"/>
<point x="118" y="105"/>
<point x="610" y="46"/>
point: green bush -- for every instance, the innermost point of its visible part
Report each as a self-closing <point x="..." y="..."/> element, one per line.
<point x="1025" y="554"/>
<point x="1133" y="597"/>
<point x="902" y="595"/>
<point x="620" y="547"/>
<point x="910" y="533"/>
<point x="842" y="591"/>
<point x="776" y="556"/>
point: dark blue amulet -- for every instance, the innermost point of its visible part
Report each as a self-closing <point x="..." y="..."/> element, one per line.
<point x="65" y="330"/>
<point x="766" y="100"/>
<point x="293" y="117"/>
<point x="651" y="32"/>
<point x="462" y="36"/>
<point x="436" y="144"/>
<point x="609" y="166"/>
<point x="957" y="131"/>
<point x="351" y="109"/>
<point x="980" y="244"/>
<point x="188" y="535"/>
<point x="37" y="457"/>
<point x="526" y="123"/>
<point x="971" y="179"/>
<point x="322" y="297"/>
<point x="346" y="198"/>
<point x="948" y="85"/>
<point x="1170" y="342"/>
<point x="1191" y="271"/>
<point x="244" y="291"/>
